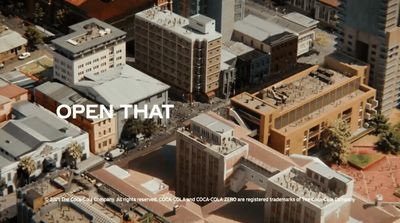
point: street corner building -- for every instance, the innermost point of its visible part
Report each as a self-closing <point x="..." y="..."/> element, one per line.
<point x="290" y="115"/>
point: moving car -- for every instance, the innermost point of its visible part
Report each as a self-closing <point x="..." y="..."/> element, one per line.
<point x="110" y="155"/>
<point x="24" y="55"/>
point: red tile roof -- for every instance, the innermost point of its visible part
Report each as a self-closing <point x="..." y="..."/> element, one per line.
<point x="11" y="91"/>
<point x="333" y="3"/>
<point x="111" y="10"/>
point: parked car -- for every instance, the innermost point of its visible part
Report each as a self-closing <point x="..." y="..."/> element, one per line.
<point x="110" y="155"/>
<point x="1" y="65"/>
<point x="24" y="55"/>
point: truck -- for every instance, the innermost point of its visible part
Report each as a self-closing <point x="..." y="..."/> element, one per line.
<point x="110" y="155"/>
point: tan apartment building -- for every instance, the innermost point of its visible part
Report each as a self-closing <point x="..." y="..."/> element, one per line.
<point x="184" y="53"/>
<point x="290" y="115"/>
<point x="373" y="36"/>
<point x="206" y="154"/>
<point x="102" y="131"/>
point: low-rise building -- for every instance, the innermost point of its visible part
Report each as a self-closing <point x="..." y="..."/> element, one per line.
<point x="252" y="66"/>
<point x="10" y="94"/>
<point x="14" y="93"/>
<point x="65" y="197"/>
<point x="321" y="195"/>
<point x="125" y="86"/>
<point x="290" y="115"/>
<point x="306" y="35"/>
<point x="5" y="108"/>
<point x="11" y="44"/>
<point x="40" y="135"/>
<point x="326" y="11"/>
<point x="228" y="74"/>
<point x="102" y="131"/>
<point x="269" y="37"/>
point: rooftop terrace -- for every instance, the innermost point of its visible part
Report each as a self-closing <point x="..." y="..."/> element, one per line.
<point x="286" y="94"/>
<point x="297" y="182"/>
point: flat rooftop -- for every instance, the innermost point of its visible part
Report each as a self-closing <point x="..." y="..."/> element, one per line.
<point x="211" y="123"/>
<point x="297" y="182"/>
<point x="251" y="101"/>
<point x="87" y="35"/>
<point x="288" y="94"/>
<point x="301" y="19"/>
<point x="263" y="29"/>
<point x="236" y="48"/>
<point x="176" y="23"/>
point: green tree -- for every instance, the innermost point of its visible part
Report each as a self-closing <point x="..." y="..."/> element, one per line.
<point x="26" y="167"/>
<point x="132" y="128"/>
<point x="149" y="127"/>
<point x="38" y="13"/>
<point x="389" y="141"/>
<point x="379" y="123"/>
<point x="335" y="142"/>
<point x="147" y="218"/>
<point x="60" y="15"/>
<point x="74" y="152"/>
<point x="33" y="36"/>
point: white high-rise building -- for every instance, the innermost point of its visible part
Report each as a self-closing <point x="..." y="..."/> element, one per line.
<point x="93" y="47"/>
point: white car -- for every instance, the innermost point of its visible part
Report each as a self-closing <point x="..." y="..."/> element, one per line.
<point x="1" y="65"/>
<point x="24" y="55"/>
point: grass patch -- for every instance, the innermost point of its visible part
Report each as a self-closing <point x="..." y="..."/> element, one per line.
<point x="362" y="161"/>
<point x="37" y="66"/>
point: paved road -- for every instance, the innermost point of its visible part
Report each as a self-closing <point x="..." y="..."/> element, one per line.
<point x="141" y="151"/>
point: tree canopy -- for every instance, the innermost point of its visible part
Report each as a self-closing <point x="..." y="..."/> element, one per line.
<point x="335" y="142"/>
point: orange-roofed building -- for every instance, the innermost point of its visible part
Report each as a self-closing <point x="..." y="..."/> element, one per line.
<point x="14" y="93"/>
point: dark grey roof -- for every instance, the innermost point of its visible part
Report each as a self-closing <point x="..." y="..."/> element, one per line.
<point x="79" y="30"/>
<point x="32" y="127"/>
<point x="63" y="94"/>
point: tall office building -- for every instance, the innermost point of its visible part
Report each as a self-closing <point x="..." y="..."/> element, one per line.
<point x="372" y="35"/>
<point x="184" y="53"/>
<point x="225" y="12"/>
<point x="206" y="155"/>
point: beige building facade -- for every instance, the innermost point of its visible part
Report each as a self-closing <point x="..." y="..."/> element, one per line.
<point x="184" y="53"/>
<point x="291" y="115"/>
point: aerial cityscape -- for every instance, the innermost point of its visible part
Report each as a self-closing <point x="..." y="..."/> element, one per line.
<point x="203" y="111"/>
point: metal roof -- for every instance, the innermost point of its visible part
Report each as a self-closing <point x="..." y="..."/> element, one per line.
<point x="65" y="95"/>
<point x="262" y="29"/>
<point x="212" y="123"/>
<point x="10" y="39"/>
<point x="120" y="86"/>
<point x="301" y="19"/>
<point x="32" y="127"/>
<point x="327" y="172"/>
